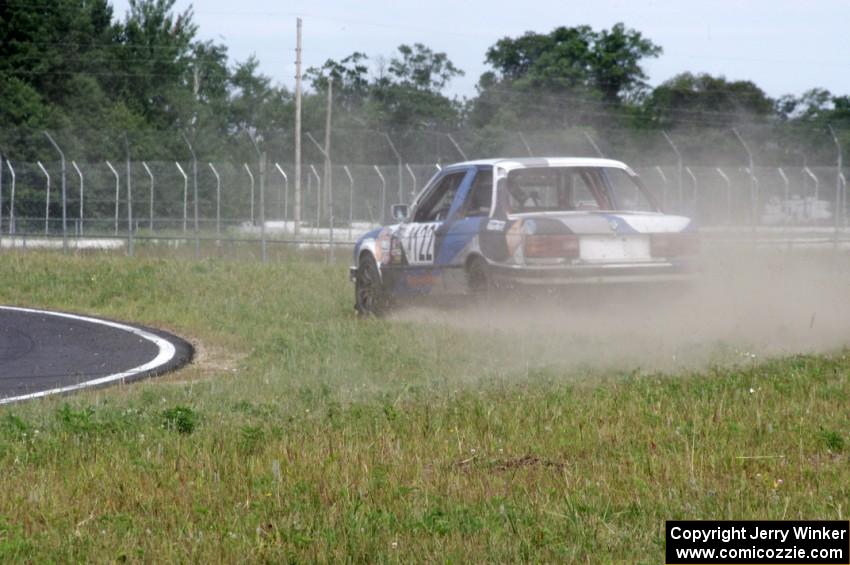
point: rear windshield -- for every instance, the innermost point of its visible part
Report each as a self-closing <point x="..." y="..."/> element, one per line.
<point x="559" y="189"/>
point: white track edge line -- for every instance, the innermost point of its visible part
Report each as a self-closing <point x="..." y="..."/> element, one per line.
<point x="166" y="354"/>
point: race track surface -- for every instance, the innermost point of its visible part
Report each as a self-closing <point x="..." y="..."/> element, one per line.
<point x="44" y="353"/>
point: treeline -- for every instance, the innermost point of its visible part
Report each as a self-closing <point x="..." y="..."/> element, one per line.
<point x="107" y="85"/>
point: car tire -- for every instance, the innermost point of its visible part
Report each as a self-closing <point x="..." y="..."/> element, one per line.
<point x="370" y="297"/>
<point x="479" y="282"/>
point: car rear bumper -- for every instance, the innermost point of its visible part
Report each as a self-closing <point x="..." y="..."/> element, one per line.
<point x="620" y="273"/>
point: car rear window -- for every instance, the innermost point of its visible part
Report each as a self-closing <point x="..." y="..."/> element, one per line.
<point x="575" y="188"/>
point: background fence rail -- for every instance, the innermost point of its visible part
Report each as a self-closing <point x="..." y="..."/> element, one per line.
<point x="240" y="200"/>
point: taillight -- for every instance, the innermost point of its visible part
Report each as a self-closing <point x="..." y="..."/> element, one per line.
<point x="669" y="245"/>
<point x="552" y="245"/>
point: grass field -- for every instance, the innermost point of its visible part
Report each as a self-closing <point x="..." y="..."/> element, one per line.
<point x="305" y="434"/>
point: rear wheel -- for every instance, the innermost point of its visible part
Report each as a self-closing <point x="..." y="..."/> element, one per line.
<point x="478" y="280"/>
<point x="370" y="298"/>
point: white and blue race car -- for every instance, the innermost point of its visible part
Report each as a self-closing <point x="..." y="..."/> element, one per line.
<point x="483" y="224"/>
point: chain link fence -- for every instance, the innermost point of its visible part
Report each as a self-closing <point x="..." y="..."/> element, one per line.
<point x="249" y="195"/>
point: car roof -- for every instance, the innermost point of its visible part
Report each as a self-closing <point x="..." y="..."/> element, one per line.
<point x="533" y="162"/>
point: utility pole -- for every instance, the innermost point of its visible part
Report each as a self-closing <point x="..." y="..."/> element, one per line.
<point x="297" y="204"/>
<point x="326" y="174"/>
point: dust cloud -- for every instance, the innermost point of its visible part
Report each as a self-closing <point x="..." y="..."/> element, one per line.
<point x="746" y="305"/>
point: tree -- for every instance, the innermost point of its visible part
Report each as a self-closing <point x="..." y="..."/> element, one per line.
<point x="805" y="121"/>
<point x="350" y="77"/>
<point x="615" y="63"/>
<point x="407" y="94"/>
<point x="153" y="73"/>
<point x="572" y="74"/>
<point x="421" y="68"/>
<point x="703" y="100"/>
<point x="44" y="48"/>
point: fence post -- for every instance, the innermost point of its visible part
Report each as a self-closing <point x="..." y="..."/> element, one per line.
<point x="285" y="194"/>
<point x="350" y="200"/>
<point x="696" y="188"/>
<point x="129" y="199"/>
<point x="263" y="243"/>
<point x="814" y="177"/>
<point x="660" y="172"/>
<point x="1" y="200"/>
<point x="185" y="194"/>
<point x="309" y="187"/>
<point x="325" y="190"/>
<point x="64" y="194"/>
<point x="412" y="176"/>
<point x="150" y="204"/>
<point x="525" y="142"/>
<point x="757" y="191"/>
<point x="400" y="173"/>
<point x="217" y="203"/>
<point x="47" y="200"/>
<point x="383" y="192"/>
<point x="839" y="166"/>
<point x="194" y="195"/>
<point x="728" y="194"/>
<point x="320" y="188"/>
<point x="251" y="176"/>
<point x="679" y="169"/>
<point x="753" y="180"/>
<point x="11" y="200"/>
<point x="457" y="147"/>
<point x="117" y="192"/>
<point x="82" y="193"/>
<point x="786" y="204"/>
<point x="318" y="197"/>
<point x="590" y="140"/>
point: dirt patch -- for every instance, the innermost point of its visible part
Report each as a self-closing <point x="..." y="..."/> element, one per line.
<point x="209" y="361"/>
<point x="513" y="464"/>
<point x="745" y="306"/>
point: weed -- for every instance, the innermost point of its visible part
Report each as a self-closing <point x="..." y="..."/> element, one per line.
<point x="180" y="419"/>
<point x="832" y="440"/>
<point x="251" y="439"/>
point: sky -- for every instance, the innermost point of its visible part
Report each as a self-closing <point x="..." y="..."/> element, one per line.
<point x="784" y="46"/>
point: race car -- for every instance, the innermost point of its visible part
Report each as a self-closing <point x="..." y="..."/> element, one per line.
<point x="509" y="223"/>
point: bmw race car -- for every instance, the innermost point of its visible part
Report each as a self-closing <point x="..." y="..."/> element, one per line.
<point x="484" y="224"/>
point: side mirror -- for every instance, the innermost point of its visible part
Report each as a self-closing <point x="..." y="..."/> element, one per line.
<point x="400" y="212"/>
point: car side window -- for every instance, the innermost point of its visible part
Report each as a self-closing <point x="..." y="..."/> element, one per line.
<point x="437" y="204"/>
<point x="480" y="195"/>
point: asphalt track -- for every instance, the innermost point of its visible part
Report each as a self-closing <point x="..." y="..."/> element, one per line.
<point x="44" y="353"/>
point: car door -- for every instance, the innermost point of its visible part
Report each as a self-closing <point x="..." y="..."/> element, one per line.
<point x="419" y="236"/>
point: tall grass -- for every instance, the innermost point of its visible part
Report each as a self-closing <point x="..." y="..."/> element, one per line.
<point x="303" y="433"/>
